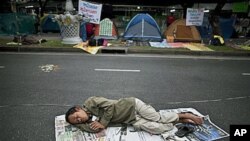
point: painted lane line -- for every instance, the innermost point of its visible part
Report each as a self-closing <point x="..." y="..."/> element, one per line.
<point x="32" y="105"/>
<point x="208" y="101"/>
<point x="117" y="70"/>
<point x="245" y="73"/>
<point x="2" y="67"/>
<point x="171" y="103"/>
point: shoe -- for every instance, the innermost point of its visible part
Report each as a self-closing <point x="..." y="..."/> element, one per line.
<point x="183" y="130"/>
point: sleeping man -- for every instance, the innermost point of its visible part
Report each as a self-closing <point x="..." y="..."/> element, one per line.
<point x="131" y="111"/>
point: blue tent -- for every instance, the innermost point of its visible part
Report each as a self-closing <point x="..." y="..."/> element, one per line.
<point x="227" y="27"/>
<point x="205" y="29"/>
<point x="50" y="25"/>
<point x="83" y="32"/>
<point x="142" y="27"/>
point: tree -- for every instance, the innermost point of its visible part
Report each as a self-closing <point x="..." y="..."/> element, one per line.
<point x="5" y="7"/>
<point x="42" y="6"/>
<point x="186" y="5"/>
<point x="214" y="18"/>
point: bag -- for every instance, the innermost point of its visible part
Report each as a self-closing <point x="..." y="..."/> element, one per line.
<point x="217" y="40"/>
<point x="94" y="42"/>
<point x="100" y="42"/>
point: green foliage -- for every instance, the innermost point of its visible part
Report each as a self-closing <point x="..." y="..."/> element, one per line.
<point x="222" y="48"/>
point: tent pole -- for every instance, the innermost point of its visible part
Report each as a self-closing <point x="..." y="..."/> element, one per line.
<point x="142" y="28"/>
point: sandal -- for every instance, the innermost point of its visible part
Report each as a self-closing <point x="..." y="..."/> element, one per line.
<point x="184" y="130"/>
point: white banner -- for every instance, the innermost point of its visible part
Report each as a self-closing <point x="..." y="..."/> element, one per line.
<point x="90" y="10"/>
<point x="194" y="16"/>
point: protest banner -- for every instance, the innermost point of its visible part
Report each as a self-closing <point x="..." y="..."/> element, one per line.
<point x="91" y="11"/>
<point x="194" y="16"/>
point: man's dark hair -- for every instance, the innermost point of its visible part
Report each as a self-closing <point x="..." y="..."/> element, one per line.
<point x="72" y="110"/>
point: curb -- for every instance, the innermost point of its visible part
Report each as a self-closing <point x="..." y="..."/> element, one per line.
<point x="198" y="53"/>
<point x="38" y="49"/>
<point x="122" y="50"/>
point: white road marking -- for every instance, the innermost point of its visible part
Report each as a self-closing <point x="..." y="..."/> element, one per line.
<point x="181" y="102"/>
<point x="2" y="67"/>
<point x="117" y="70"/>
<point x="212" y="100"/>
<point x="245" y="73"/>
<point x="32" y="105"/>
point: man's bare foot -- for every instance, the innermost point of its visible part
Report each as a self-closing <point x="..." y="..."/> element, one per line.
<point x="196" y="119"/>
<point x="186" y="121"/>
<point x="190" y="118"/>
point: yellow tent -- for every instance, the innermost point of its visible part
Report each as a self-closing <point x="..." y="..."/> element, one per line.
<point x="179" y="32"/>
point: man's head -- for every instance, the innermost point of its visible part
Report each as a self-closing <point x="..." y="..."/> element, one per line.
<point x="76" y="115"/>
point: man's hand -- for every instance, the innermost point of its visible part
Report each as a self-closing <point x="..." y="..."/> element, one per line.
<point x="95" y="125"/>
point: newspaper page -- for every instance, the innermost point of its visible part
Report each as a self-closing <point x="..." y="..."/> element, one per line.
<point x="208" y="131"/>
<point x="67" y="132"/>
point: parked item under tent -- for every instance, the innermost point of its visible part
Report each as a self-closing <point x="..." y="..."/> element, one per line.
<point x="142" y="27"/>
<point x="49" y="25"/>
<point x="105" y="30"/>
<point x="179" y="32"/>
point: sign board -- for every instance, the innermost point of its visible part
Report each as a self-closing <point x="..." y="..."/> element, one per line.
<point x="194" y="16"/>
<point x="90" y="11"/>
<point x="240" y="7"/>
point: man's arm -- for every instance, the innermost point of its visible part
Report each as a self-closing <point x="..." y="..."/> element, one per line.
<point x="95" y="125"/>
<point x="87" y="127"/>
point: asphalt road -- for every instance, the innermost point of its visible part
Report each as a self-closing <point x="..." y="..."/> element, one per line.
<point x="30" y="97"/>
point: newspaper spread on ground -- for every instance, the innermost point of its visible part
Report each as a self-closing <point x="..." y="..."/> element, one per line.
<point x="66" y="132"/>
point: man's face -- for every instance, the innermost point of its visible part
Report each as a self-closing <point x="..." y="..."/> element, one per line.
<point x="80" y="116"/>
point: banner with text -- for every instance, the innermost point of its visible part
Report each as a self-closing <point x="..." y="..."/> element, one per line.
<point x="90" y="10"/>
<point x="194" y="16"/>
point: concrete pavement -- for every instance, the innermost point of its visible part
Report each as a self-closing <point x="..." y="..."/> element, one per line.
<point x="31" y="98"/>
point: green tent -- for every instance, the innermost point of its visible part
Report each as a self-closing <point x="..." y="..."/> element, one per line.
<point x="16" y="23"/>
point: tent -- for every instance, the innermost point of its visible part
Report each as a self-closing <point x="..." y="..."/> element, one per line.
<point x="83" y="32"/>
<point x="205" y="29"/>
<point x="105" y="30"/>
<point x="16" y="23"/>
<point x="182" y="33"/>
<point x="227" y="27"/>
<point x="50" y="25"/>
<point x="142" y="27"/>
